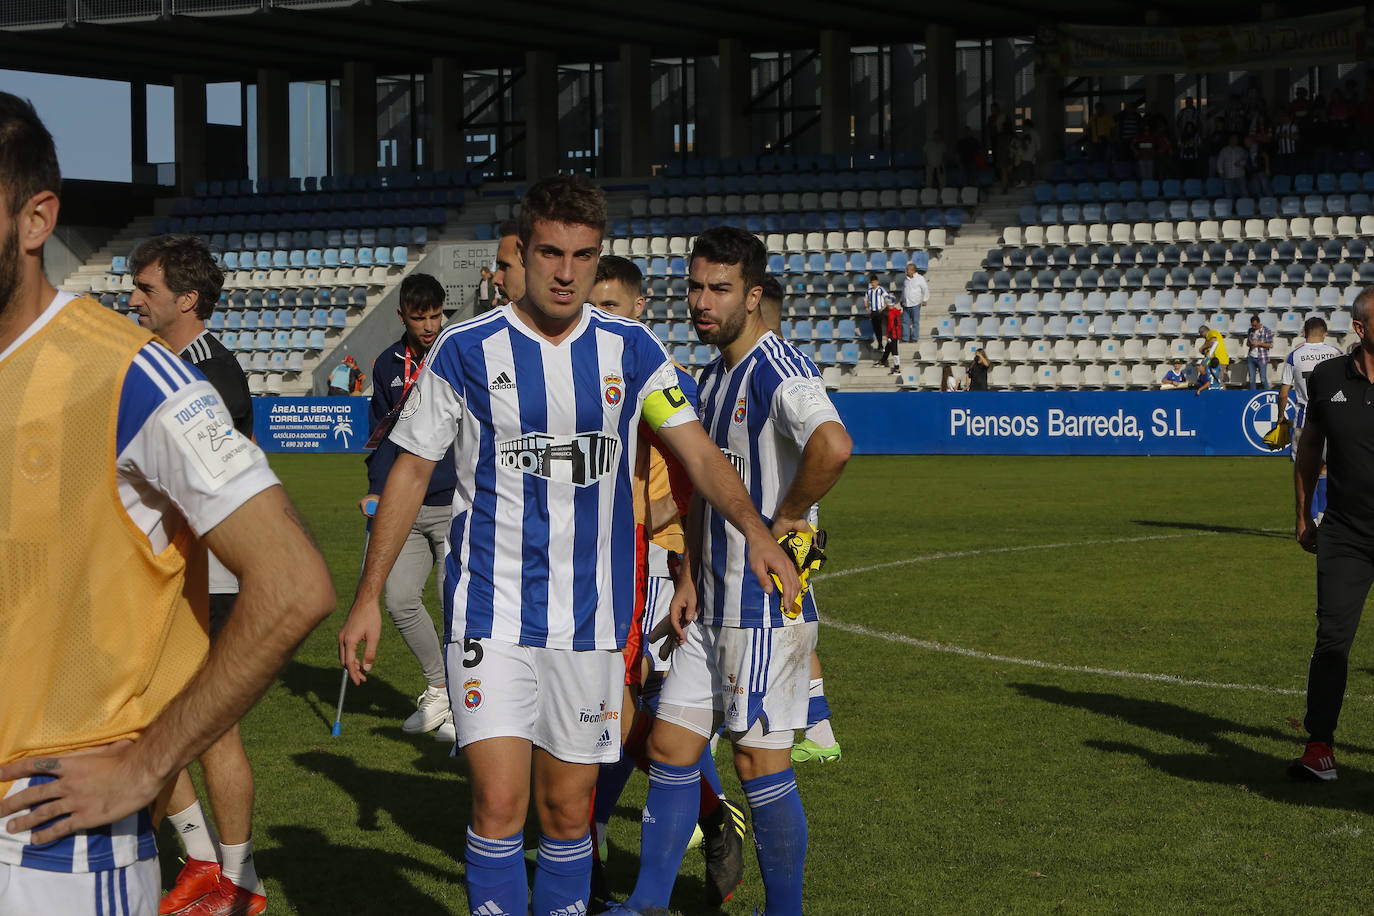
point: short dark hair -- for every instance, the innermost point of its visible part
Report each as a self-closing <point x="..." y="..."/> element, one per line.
<point x="621" y="270"/>
<point x="569" y="199"/>
<point x="421" y="293"/>
<point x="772" y="289"/>
<point x="1315" y="323"/>
<point x="732" y="245"/>
<point x="872" y="278"/>
<point x="507" y="227"/>
<point x="187" y="266"/>
<point x="28" y="158"/>
<point x="1361" y="307"/>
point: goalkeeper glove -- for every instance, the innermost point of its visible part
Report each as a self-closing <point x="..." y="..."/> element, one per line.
<point x="1280" y="436"/>
<point x="807" y="551"/>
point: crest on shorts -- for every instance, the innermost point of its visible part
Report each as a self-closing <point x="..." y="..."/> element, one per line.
<point x="739" y="410"/>
<point x="472" y="693"/>
<point x="613" y="389"/>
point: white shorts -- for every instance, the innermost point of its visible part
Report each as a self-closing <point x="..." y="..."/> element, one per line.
<point x="658" y="594"/>
<point x="129" y="891"/>
<point x="564" y="701"/>
<point x="756" y="681"/>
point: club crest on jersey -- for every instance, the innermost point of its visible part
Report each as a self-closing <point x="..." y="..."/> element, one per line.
<point x="472" y="693"/>
<point x="580" y="459"/>
<point x="613" y="389"/>
<point x="740" y="410"/>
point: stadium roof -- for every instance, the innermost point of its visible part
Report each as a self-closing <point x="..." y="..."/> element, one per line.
<point x="310" y="39"/>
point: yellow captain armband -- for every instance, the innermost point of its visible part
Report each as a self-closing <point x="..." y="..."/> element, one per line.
<point x="660" y="405"/>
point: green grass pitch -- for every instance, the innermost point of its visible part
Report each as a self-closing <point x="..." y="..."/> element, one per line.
<point x="986" y="622"/>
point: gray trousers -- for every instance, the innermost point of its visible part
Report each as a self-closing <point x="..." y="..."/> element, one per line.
<point x="422" y="551"/>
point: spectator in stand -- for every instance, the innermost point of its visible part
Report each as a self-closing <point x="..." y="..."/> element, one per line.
<point x="915" y="294"/>
<point x="1176" y="377"/>
<point x="346" y="378"/>
<point x="1129" y="128"/>
<point x="1188" y="116"/>
<point x="1215" y="142"/>
<point x="1232" y="164"/>
<point x="484" y="298"/>
<point x="1002" y="138"/>
<point x="876" y="300"/>
<point x="1257" y="158"/>
<point x="1101" y="132"/>
<point x="1259" y="341"/>
<point x="1286" y="145"/>
<point x="947" y="380"/>
<point x="1148" y="147"/>
<point x="1191" y="153"/>
<point x="978" y="370"/>
<point x="1339" y="119"/>
<point x="1300" y="109"/>
<point x="936" y="153"/>
<point x="1027" y="154"/>
<point x="1215" y="358"/>
<point x="970" y="152"/>
<point x="1235" y="115"/>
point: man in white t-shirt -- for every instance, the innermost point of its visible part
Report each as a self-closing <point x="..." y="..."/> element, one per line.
<point x="120" y="694"/>
<point x="1297" y="369"/>
<point x="915" y="294"/>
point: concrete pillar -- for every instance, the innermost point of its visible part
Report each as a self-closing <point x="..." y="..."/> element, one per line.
<point x="1159" y="95"/>
<point x="1274" y="83"/>
<point x="732" y="97"/>
<point x="358" y="110"/>
<point x="138" y="133"/>
<point x="1049" y="110"/>
<point x="941" y="89"/>
<point x="274" y="124"/>
<point x="908" y="107"/>
<point x="541" y="114"/>
<point x="445" y="93"/>
<point x="636" y="149"/>
<point x="188" y="104"/>
<point x="836" y="110"/>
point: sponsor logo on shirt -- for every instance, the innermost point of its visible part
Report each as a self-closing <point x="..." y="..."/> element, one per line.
<point x="502" y="382"/>
<point x="580" y="459"/>
<point x="741" y="466"/>
<point x="586" y="716"/>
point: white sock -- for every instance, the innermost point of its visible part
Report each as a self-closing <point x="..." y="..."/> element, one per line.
<point x="236" y="864"/>
<point x="196" y="833"/>
<point x="817" y="687"/>
<point x="821" y="733"/>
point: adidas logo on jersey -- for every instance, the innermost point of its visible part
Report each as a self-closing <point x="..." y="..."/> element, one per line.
<point x="578" y="908"/>
<point x="502" y="382"/>
<point x="1338" y="397"/>
<point x="490" y="908"/>
<point x="396" y="382"/>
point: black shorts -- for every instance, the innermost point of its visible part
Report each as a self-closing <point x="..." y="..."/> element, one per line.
<point x="220" y="608"/>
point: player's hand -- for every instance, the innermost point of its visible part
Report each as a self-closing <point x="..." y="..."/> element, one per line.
<point x="89" y="789"/>
<point x="1306" y="534"/>
<point x="364" y="625"/>
<point x="363" y="507"/>
<point x="682" y="610"/>
<point x="770" y="563"/>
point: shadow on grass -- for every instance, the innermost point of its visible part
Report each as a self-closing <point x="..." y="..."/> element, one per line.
<point x="1215" y="529"/>
<point x="1224" y="762"/>
<point x="318" y="686"/>
<point x="320" y="876"/>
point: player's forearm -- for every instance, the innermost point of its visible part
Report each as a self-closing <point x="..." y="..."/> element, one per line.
<point x="405" y="489"/>
<point x="713" y="477"/>
<point x="822" y="462"/>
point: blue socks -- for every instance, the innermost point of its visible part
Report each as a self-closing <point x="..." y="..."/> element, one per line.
<point x="496" y="875"/>
<point x="779" y="839"/>
<point x="562" y="876"/>
<point x="1319" y="497"/>
<point x="610" y="782"/>
<point x="707" y="765"/>
<point x="817" y="710"/>
<point x="670" y="813"/>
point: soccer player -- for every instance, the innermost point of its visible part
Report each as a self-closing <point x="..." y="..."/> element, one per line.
<point x="393" y="375"/>
<point x="122" y="467"/>
<point x="510" y="270"/>
<point x="661" y="493"/>
<point x="1297" y="369"/>
<point x="744" y="659"/>
<point x="818" y="741"/>
<point x="176" y="286"/>
<point x="1336" y="427"/>
<point x="541" y="402"/>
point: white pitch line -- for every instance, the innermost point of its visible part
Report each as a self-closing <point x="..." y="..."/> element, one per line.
<point x="989" y="551"/>
<point x="933" y="646"/>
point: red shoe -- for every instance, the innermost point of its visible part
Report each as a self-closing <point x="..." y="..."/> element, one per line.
<point x="227" y="899"/>
<point x="1317" y="762"/>
<point x="196" y="879"/>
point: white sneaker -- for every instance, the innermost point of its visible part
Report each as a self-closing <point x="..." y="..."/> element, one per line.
<point x="446" y="733"/>
<point x="433" y="710"/>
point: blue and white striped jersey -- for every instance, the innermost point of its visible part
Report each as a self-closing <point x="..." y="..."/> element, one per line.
<point x="541" y="546"/>
<point x="1297" y="368"/>
<point x="876" y="298"/>
<point x="761" y="413"/>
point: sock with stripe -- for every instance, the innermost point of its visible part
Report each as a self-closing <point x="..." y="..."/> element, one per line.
<point x="236" y="864"/>
<point x="779" y="839"/>
<point x="196" y="833"/>
<point x="818" y="715"/>
<point x="496" y="875"/>
<point x="610" y="782"/>
<point x="670" y="813"/>
<point x="562" y="876"/>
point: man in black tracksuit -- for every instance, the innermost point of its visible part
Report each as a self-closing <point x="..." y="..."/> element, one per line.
<point x="1340" y="420"/>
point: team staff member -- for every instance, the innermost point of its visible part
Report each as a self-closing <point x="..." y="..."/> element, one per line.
<point x="393" y="375"/>
<point x="116" y="695"/>
<point x="541" y="402"/>
<point x="1340" y="419"/>
<point x="176" y="286"/>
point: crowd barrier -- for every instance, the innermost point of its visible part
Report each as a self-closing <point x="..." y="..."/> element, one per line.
<point x="923" y="423"/>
